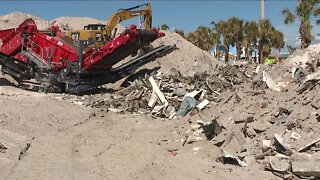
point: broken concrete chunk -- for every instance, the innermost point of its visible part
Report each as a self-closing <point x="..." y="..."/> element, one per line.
<point x="228" y="139"/>
<point x="227" y="158"/>
<point x="285" y="148"/>
<point x="219" y="140"/>
<point x="239" y="136"/>
<point x="306" y="168"/>
<point x="301" y="157"/>
<point x="227" y="123"/>
<point x="242" y="120"/>
<point x="308" y="145"/>
<point x="212" y="129"/>
<point x="314" y="76"/>
<point x="250" y="159"/>
<point x="192" y="139"/>
<point x="251" y="132"/>
<point x="266" y="145"/>
<point x="209" y="129"/>
<point x="278" y="120"/>
<point x="270" y="82"/>
<point x="180" y="92"/>
<point x="259" y="127"/>
<point x="280" y="164"/>
<point x="270" y="152"/>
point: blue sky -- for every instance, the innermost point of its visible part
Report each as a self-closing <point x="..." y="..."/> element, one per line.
<point x="186" y="15"/>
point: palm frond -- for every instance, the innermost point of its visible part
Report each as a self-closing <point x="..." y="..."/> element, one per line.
<point x="289" y="16"/>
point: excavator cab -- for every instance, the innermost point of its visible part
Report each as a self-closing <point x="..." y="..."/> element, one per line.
<point x="100" y="27"/>
<point x="93" y="31"/>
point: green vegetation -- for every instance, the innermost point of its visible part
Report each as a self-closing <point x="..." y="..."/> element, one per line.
<point x="202" y="37"/>
<point x="180" y="32"/>
<point x="164" y="27"/>
<point x="304" y="10"/>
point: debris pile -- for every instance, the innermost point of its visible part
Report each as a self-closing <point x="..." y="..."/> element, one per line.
<point x="256" y="115"/>
<point x="274" y="127"/>
<point x="304" y="57"/>
<point x="167" y="95"/>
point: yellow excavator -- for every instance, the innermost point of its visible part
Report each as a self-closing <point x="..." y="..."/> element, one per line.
<point x="101" y="33"/>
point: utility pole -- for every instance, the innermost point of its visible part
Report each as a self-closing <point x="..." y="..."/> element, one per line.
<point x="262" y="9"/>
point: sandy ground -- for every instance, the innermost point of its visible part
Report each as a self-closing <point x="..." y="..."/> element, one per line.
<point x="49" y="138"/>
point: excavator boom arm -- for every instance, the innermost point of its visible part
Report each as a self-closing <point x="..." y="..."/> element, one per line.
<point x="124" y="14"/>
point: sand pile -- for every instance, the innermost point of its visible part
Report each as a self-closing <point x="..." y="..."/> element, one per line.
<point x="13" y="20"/>
<point x="188" y="59"/>
<point x="75" y="23"/>
<point x="301" y="57"/>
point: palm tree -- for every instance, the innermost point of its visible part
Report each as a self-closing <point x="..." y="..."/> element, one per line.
<point x="305" y="9"/>
<point x="277" y="40"/>
<point x="164" y="27"/>
<point x="268" y="37"/>
<point x="202" y="37"/>
<point x="236" y="28"/>
<point x="217" y="32"/>
<point x="264" y="42"/>
<point x="250" y="37"/>
<point x="227" y="38"/>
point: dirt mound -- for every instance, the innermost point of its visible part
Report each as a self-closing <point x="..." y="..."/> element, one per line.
<point x="301" y="57"/>
<point x="74" y="23"/>
<point x="13" y="20"/>
<point x="188" y="59"/>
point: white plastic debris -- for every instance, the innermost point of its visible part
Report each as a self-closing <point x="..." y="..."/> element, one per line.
<point x="157" y="90"/>
<point x="203" y="104"/>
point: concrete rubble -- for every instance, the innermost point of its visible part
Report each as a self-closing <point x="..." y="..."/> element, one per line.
<point x="165" y="95"/>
